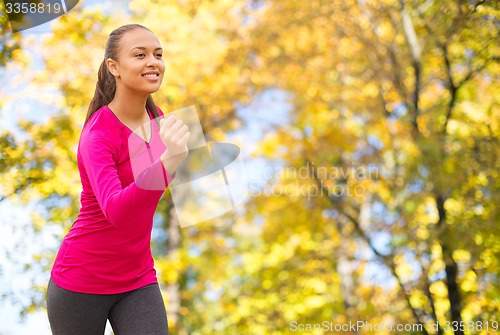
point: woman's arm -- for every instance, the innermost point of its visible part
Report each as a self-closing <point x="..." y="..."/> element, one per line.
<point x="120" y="205"/>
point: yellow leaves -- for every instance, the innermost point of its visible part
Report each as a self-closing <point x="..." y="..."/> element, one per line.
<point x="218" y="135"/>
<point x="425" y="124"/>
<point x="422" y="232"/>
<point x="370" y="90"/>
<point x="317" y="285"/>
<point x="345" y="44"/>
<point x="453" y="207"/>
<point x="437" y="266"/>
<point x="418" y="299"/>
<point x="426" y="211"/>
<point x="267" y="284"/>
<point x="38" y="221"/>
<point x="358" y="189"/>
<point x="478" y="239"/>
<point x="278" y="255"/>
<point x="404" y="268"/>
<point x="312" y="91"/>
<point x="252" y="262"/>
<point x="314" y="302"/>
<point x="269" y="145"/>
<point x="431" y="92"/>
<point x="461" y="255"/>
<point x="169" y="269"/>
<point x="469" y="283"/>
<point x="21" y="57"/>
<point x="458" y="128"/>
<point x="438" y="289"/>
<point x="303" y="39"/>
<point x="473" y="112"/>
<point x="385" y="31"/>
<point x="488" y="257"/>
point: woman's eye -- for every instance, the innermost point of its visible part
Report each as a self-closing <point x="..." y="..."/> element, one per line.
<point x="139" y="55"/>
<point x="159" y="55"/>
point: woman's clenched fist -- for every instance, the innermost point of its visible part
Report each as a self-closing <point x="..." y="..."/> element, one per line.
<point x="175" y="135"/>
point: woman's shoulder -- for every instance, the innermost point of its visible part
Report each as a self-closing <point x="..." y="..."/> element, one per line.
<point x="103" y="118"/>
<point x="103" y="124"/>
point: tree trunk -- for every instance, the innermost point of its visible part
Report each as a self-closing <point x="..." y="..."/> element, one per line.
<point x="454" y="298"/>
<point x="174" y="289"/>
<point x="451" y="270"/>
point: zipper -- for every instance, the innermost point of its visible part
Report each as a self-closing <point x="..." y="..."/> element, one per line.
<point x="151" y="159"/>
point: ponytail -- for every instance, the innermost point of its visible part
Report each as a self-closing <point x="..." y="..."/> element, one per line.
<point x="104" y="90"/>
<point x="150" y="105"/>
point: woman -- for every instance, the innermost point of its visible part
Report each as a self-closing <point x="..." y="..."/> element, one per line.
<point x="104" y="268"/>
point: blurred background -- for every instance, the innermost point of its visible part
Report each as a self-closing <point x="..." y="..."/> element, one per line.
<point x="370" y="135"/>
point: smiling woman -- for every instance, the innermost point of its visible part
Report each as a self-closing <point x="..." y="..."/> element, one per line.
<point x="104" y="268"/>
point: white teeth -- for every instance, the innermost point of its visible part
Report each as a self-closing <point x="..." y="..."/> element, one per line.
<point x="150" y="75"/>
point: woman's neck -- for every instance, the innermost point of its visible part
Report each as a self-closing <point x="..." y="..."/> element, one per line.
<point x="130" y="108"/>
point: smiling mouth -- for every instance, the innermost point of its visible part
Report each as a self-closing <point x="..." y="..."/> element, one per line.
<point x="151" y="75"/>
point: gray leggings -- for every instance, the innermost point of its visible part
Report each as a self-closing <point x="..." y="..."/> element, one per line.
<point x="138" y="312"/>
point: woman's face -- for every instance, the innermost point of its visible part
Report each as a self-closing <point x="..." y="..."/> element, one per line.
<point x="139" y="67"/>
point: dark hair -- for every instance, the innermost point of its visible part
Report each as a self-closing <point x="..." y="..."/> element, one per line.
<point x="106" y="83"/>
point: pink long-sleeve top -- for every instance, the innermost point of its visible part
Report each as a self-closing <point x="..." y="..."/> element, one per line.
<point x="107" y="250"/>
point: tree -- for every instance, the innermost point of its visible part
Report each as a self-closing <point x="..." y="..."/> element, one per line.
<point x="375" y="85"/>
<point x="9" y="42"/>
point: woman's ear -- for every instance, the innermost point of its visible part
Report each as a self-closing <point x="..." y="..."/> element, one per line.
<point x="112" y="67"/>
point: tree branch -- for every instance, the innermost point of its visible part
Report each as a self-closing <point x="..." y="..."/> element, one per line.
<point x="474" y="8"/>
<point x="451" y="86"/>
<point x="21" y="187"/>
<point x="475" y="71"/>
<point x="415" y="52"/>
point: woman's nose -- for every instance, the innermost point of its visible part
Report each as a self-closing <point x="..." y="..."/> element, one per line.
<point x="152" y="61"/>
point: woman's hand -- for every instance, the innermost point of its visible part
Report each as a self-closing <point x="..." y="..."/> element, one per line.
<point x="175" y="135"/>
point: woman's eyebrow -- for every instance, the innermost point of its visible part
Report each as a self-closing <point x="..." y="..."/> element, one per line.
<point x="144" y="48"/>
